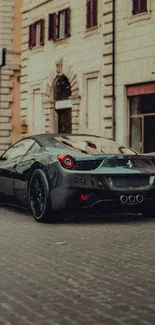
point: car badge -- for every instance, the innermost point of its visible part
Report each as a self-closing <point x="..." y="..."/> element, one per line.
<point x="129" y="164"/>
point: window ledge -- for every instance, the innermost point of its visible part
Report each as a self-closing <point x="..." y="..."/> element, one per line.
<point x="36" y="49"/>
<point x="59" y="41"/>
<point x="92" y="31"/>
<point x="138" y="17"/>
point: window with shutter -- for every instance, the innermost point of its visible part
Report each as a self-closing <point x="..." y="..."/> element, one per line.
<point x="92" y="13"/>
<point x="59" y="25"/>
<point x="139" y="6"/>
<point x="36" y="34"/>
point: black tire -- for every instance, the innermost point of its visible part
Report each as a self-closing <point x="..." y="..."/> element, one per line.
<point x="39" y="198"/>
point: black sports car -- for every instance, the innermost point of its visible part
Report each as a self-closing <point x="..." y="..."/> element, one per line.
<point x="58" y="172"/>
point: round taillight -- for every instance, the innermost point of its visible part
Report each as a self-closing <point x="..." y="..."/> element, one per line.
<point x="84" y="197"/>
<point x="66" y="161"/>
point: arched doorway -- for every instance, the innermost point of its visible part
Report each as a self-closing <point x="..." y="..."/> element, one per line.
<point x="63" y="107"/>
<point x="70" y="101"/>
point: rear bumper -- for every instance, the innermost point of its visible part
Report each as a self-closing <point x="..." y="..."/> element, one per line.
<point x="99" y="200"/>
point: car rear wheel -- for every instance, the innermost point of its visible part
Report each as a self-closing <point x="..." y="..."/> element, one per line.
<point x="39" y="198"/>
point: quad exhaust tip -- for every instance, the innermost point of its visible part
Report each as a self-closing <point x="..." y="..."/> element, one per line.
<point x="139" y="198"/>
<point x="131" y="198"/>
<point x="124" y="198"/>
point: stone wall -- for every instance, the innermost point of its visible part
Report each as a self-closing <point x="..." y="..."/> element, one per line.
<point x="81" y="53"/>
<point x="135" y="57"/>
<point x="108" y="66"/>
<point x="7" y="74"/>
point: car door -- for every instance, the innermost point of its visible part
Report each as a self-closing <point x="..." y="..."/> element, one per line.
<point x="8" y="162"/>
<point x="24" y="165"/>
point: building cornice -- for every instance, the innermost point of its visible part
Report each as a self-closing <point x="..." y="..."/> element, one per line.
<point x="33" y="5"/>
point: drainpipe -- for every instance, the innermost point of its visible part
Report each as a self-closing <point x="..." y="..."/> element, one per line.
<point x="113" y="70"/>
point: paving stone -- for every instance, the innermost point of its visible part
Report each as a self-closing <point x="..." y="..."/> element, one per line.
<point x="104" y="275"/>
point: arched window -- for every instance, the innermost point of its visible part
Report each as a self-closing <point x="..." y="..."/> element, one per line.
<point x="62" y="89"/>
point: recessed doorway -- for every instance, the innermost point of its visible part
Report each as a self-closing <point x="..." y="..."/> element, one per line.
<point x="62" y="94"/>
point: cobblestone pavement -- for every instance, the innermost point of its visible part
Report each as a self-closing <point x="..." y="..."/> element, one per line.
<point x="95" y="273"/>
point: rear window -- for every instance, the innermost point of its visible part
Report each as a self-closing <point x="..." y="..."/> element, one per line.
<point x="89" y="145"/>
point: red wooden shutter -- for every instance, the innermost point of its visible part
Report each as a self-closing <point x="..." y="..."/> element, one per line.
<point x="56" y="26"/>
<point x="33" y="35"/>
<point x="67" y="22"/>
<point x="143" y="5"/>
<point x="52" y="27"/>
<point x="88" y="23"/>
<point x="95" y="12"/>
<point x="135" y="9"/>
<point x="30" y="36"/>
<point x="58" y="18"/>
<point x="42" y="31"/>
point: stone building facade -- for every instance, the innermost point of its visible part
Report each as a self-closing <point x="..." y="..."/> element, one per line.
<point x="10" y="38"/>
<point x="66" y="78"/>
<point x="135" y="73"/>
<point x="101" y="56"/>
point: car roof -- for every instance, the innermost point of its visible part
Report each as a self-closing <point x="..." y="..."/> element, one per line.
<point x="48" y="140"/>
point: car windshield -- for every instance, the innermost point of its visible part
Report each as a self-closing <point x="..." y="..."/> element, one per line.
<point x="91" y="145"/>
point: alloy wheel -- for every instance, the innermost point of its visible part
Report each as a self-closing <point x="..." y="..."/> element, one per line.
<point x="37" y="196"/>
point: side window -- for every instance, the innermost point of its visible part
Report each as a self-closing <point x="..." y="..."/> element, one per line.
<point x="35" y="148"/>
<point x="18" y="149"/>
